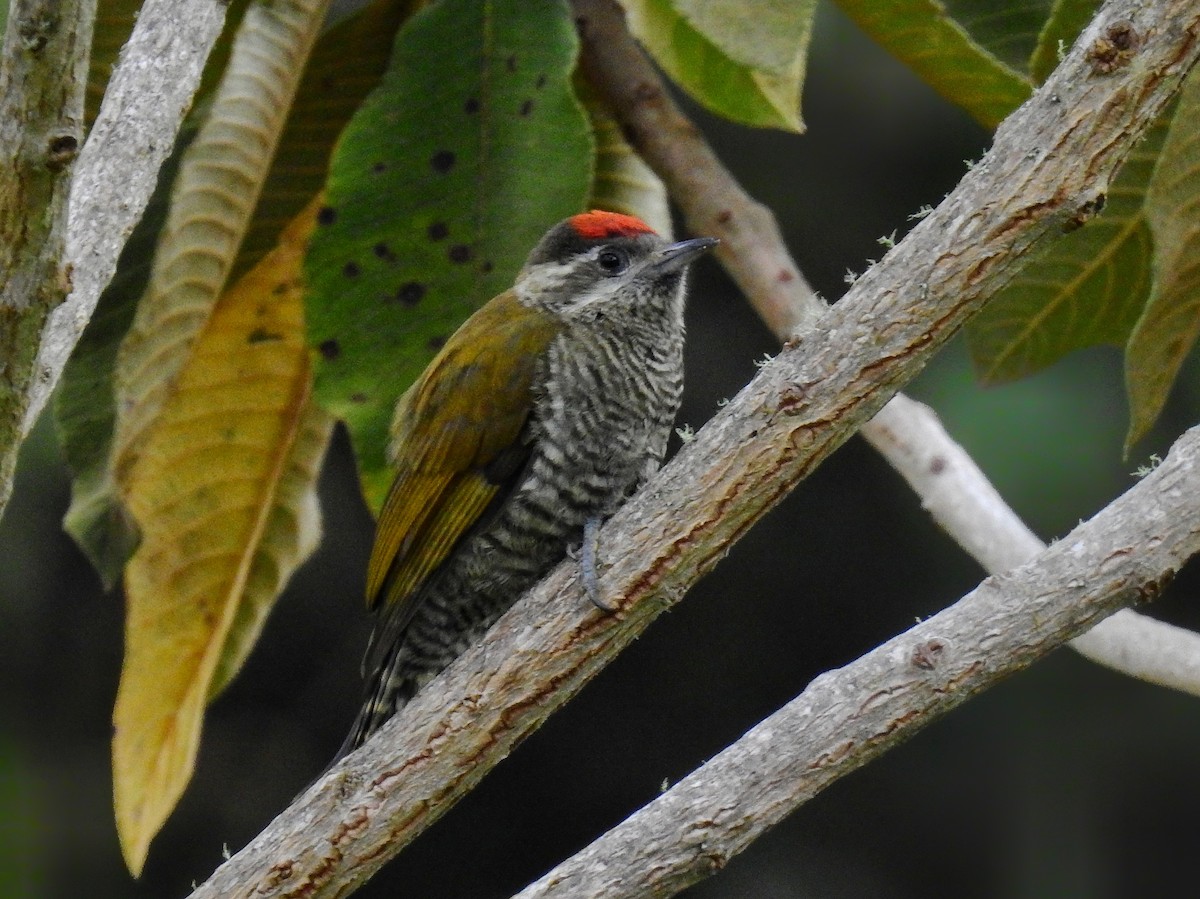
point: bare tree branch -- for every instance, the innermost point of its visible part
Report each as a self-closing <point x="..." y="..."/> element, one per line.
<point x="963" y="501"/>
<point x="150" y="92"/>
<point x="960" y="497"/>
<point x="951" y="486"/>
<point x="1051" y="162"/>
<point x="848" y="716"/>
<point x="42" y="83"/>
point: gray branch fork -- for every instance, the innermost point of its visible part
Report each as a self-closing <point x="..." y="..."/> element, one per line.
<point x="1050" y="166"/>
<point x="848" y="716"/>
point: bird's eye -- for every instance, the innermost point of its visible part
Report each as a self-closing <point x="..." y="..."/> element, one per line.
<point x="613" y="261"/>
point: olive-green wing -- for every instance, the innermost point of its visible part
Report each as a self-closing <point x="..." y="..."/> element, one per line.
<point x="456" y="443"/>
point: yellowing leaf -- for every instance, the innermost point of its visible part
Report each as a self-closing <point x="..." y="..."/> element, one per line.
<point x="219" y="182"/>
<point x="215" y="444"/>
<point x="1170" y="323"/>
<point x="223" y="492"/>
<point x="334" y="84"/>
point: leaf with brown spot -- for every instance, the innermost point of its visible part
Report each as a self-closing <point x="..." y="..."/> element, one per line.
<point x="223" y="491"/>
<point x="345" y="66"/>
<point x="210" y="428"/>
<point x="439" y="165"/>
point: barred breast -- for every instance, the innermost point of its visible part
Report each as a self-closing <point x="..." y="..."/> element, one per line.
<point x="602" y="419"/>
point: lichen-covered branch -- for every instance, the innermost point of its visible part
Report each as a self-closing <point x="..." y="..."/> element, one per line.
<point x="753" y="252"/>
<point x="1051" y="162"/>
<point x="150" y="91"/>
<point x="848" y="716"/>
<point x="43" y="75"/>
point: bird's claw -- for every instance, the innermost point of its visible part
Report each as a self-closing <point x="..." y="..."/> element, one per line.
<point x="587" y="564"/>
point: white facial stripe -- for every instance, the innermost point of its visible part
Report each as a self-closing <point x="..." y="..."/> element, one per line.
<point x="542" y="280"/>
<point x="600" y="292"/>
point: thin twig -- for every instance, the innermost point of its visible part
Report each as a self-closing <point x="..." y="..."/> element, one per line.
<point x="962" y="500"/>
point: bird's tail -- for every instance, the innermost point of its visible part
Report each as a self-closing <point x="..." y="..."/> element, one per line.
<point x="387" y="691"/>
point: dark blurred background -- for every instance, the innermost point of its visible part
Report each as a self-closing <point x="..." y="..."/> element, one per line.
<point x="1065" y="781"/>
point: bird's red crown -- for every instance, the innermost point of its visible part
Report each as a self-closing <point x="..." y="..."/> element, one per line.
<point x="600" y="225"/>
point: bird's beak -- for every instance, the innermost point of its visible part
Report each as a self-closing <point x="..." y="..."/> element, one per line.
<point x="678" y="256"/>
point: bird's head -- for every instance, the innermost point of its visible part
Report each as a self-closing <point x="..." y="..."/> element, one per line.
<point x="596" y="264"/>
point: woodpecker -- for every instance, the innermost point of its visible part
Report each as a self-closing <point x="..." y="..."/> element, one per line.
<point x="539" y="416"/>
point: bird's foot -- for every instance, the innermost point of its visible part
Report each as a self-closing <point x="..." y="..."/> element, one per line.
<point x="587" y="564"/>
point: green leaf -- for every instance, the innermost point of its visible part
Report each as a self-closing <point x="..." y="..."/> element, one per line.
<point x="941" y="51"/>
<point x="1008" y="29"/>
<point x="742" y="60"/>
<point x="1086" y="288"/>
<point x="1168" y="327"/>
<point x="768" y="35"/>
<point x="85" y="415"/>
<point x="1129" y="277"/>
<point x="1067" y="19"/>
<point x="471" y="147"/>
